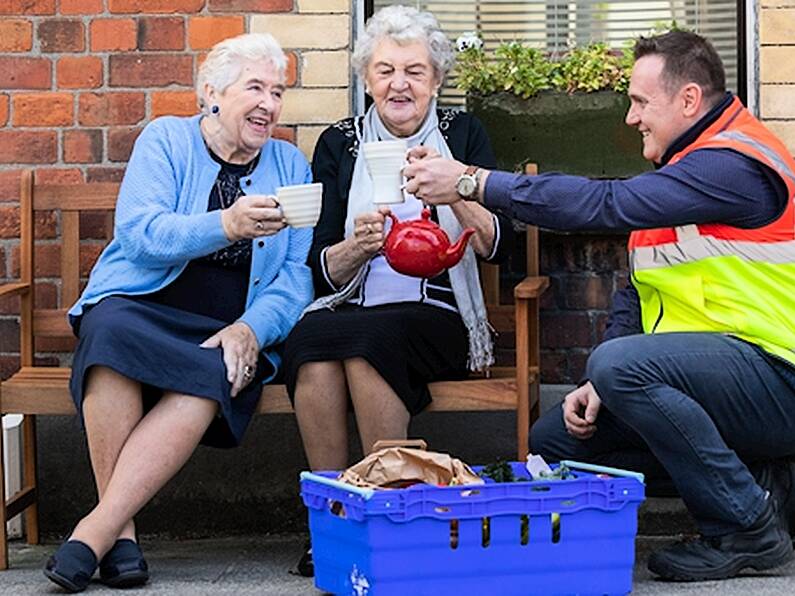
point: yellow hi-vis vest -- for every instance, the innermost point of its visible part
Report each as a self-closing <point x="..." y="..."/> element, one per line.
<point x="718" y="278"/>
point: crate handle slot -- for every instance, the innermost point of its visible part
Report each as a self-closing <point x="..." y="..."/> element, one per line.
<point x="524" y="529"/>
<point x="453" y="534"/>
<point x="337" y="508"/>
<point x="555" y="519"/>
<point x="485" y="532"/>
<point x="365" y="493"/>
<point x="596" y="469"/>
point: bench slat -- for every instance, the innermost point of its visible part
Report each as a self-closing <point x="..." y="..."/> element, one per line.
<point x="93" y="196"/>
<point x="54" y="323"/>
<point x="20" y="501"/>
<point x="51" y="386"/>
<point x="51" y="322"/>
<point x="70" y="257"/>
<point x="14" y="288"/>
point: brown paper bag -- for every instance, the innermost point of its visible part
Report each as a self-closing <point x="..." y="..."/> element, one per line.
<point x="399" y="467"/>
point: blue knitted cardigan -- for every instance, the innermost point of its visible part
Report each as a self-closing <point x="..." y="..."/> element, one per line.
<point x="162" y="222"/>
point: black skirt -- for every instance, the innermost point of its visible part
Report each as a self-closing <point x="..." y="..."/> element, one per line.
<point x="158" y="346"/>
<point x="409" y="344"/>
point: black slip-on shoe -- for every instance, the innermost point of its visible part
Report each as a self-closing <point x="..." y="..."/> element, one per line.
<point x="124" y="565"/>
<point x="71" y="566"/>
<point x="778" y="478"/>
<point x="765" y="545"/>
<point x="305" y="566"/>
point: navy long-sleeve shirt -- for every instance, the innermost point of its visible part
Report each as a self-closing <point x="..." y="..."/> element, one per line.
<point x="705" y="186"/>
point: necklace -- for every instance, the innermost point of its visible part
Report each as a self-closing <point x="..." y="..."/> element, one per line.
<point x="227" y="184"/>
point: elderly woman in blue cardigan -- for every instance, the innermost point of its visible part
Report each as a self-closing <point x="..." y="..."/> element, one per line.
<point x="179" y="320"/>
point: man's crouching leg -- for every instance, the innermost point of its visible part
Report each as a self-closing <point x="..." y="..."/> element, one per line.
<point x="681" y="394"/>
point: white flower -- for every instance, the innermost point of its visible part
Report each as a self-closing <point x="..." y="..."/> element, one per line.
<point x="468" y="40"/>
<point x="658" y="30"/>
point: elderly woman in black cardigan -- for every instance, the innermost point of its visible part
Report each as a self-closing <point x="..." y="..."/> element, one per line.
<point x="376" y="337"/>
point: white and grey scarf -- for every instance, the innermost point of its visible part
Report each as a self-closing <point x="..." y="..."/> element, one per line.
<point x="463" y="277"/>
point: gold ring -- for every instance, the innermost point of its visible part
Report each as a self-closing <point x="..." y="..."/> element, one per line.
<point x="370" y="228"/>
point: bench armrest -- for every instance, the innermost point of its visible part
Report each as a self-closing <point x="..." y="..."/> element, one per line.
<point x="12" y="289"/>
<point x="530" y="287"/>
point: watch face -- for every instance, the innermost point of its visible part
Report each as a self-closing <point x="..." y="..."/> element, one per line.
<point x="466" y="186"/>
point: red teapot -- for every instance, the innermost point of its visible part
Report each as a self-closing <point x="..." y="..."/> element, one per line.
<point x="420" y="248"/>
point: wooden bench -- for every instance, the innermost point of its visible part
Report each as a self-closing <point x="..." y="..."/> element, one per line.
<point x="43" y="390"/>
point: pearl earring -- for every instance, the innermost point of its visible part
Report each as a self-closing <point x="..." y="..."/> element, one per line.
<point x="215" y="110"/>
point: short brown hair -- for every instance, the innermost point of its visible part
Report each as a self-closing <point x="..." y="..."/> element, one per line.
<point x="689" y="58"/>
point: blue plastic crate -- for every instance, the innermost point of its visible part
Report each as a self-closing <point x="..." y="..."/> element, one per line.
<point x="572" y="536"/>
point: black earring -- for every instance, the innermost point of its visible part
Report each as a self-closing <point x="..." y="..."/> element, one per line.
<point x="215" y="110"/>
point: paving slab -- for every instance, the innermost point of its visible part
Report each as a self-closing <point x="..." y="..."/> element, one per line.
<point x="259" y="565"/>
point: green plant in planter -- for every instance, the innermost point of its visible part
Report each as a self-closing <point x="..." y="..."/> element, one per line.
<point x="521" y="70"/>
<point x="593" y="68"/>
<point x="524" y="71"/>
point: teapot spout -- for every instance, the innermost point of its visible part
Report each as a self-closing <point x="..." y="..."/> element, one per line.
<point x="453" y="254"/>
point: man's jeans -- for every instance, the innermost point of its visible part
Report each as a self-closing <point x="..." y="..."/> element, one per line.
<point x="686" y="407"/>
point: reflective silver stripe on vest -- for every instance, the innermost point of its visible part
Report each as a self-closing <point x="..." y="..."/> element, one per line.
<point x="774" y="157"/>
<point x="688" y="232"/>
<point x="667" y="255"/>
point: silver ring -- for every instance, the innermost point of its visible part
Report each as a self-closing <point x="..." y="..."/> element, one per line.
<point x="248" y="371"/>
<point x="259" y="225"/>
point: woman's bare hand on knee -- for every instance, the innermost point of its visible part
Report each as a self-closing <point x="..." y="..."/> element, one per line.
<point x="251" y="217"/>
<point x="240" y="351"/>
<point x="580" y="409"/>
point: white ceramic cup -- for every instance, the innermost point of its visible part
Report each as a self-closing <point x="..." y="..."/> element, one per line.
<point x="384" y="161"/>
<point x="301" y="204"/>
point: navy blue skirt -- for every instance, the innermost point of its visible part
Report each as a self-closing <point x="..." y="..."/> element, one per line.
<point x="158" y="346"/>
<point x="408" y="343"/>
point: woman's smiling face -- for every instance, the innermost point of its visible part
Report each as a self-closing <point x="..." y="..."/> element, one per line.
<point x="402" y="82"/>
<point x="249" y="109"/>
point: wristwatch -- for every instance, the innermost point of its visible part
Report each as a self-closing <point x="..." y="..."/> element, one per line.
<point x="467" y="184"/>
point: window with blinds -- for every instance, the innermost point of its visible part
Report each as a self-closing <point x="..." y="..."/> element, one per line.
<point x="554" y="26"/>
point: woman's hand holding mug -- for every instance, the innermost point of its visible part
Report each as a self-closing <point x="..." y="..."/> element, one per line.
<point x="251" y="217"/>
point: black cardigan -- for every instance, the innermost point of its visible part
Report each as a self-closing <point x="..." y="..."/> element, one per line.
<point x="333" y="161"/>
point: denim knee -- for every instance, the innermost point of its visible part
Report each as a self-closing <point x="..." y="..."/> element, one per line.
<point x="612" y="364"/>
<point x="546" y="434"/>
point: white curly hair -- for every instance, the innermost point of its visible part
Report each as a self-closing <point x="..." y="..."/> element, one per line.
<point x="404" y="25"/>
<point x="224" y="63"/>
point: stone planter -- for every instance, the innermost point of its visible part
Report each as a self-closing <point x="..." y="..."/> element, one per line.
<point x="582" y="133"/>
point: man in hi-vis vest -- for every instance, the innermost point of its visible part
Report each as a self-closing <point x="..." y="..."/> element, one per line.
<point x="694" y="384"/>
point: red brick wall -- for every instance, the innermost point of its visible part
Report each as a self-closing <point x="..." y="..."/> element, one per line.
<point x="585" y="270"/>
<point x="78" y="81"/>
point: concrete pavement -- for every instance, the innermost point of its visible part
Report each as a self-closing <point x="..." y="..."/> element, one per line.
<point x="259" y="565"/>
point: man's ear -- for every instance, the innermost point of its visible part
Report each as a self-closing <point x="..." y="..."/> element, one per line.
<point x="692" y="100"/>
